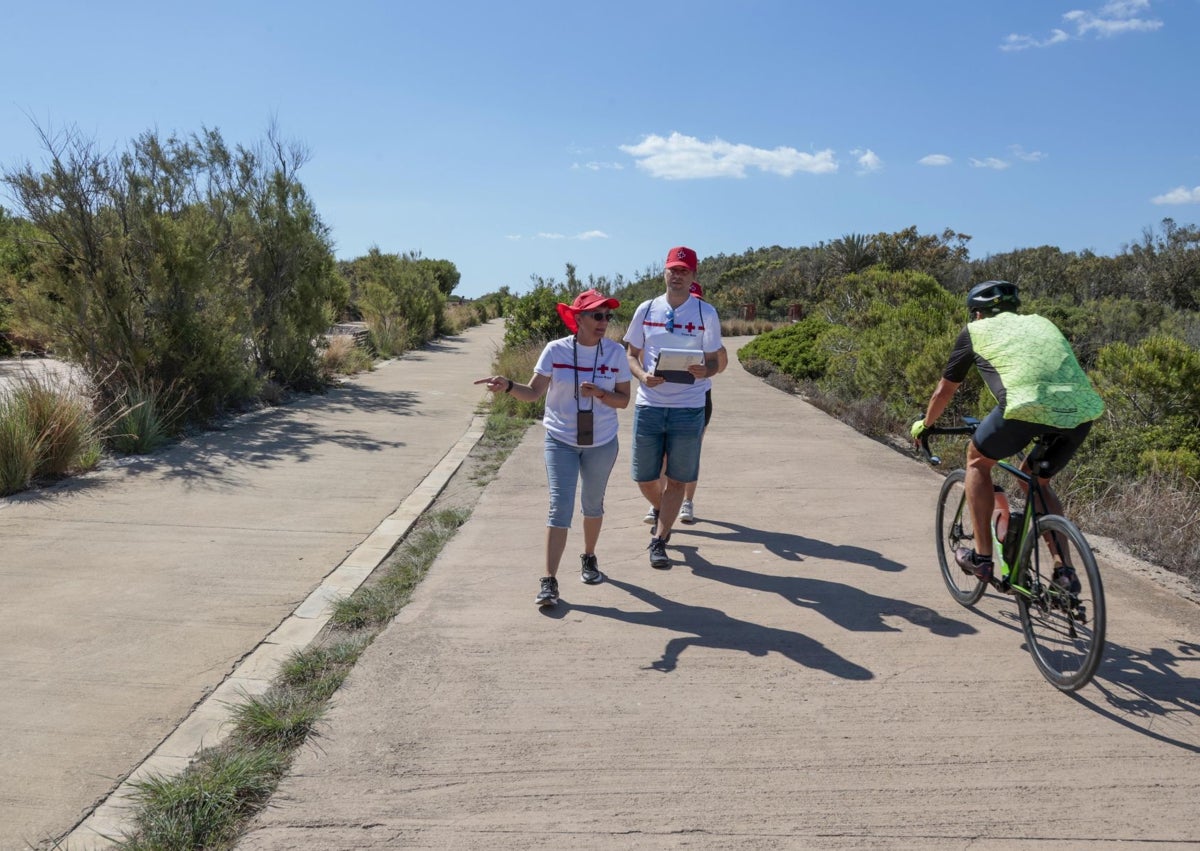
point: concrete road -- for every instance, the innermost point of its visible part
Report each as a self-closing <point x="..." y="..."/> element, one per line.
<point x="799" y="678"/>
<point x="130" y="595"/>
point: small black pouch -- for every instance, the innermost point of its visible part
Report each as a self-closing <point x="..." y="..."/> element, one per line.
<point x="583" y="425"/>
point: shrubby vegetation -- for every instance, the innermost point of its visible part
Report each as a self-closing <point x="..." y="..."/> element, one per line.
<point x="188" y="279"/>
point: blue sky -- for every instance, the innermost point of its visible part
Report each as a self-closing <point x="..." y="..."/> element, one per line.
<point x="514" y="137"/>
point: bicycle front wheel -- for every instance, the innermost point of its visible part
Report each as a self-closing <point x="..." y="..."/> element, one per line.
<point x="1064" y="629"/>
<point x="954" y="530"/>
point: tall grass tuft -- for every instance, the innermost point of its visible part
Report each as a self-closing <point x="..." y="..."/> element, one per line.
<point x="389" y="334"/>
<point x="18" y="447"/>
<point x="321" y="670"/>
<point x="60" y="414"/>
<point x="282" y="718"/>
<point x="204" y="807"/>
<point x="144" y="420"/>
<point x="341" y="356"/>
<point x="47" y="430"/>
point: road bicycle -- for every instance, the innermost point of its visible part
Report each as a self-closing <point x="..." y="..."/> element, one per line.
<point x="1064" y="630"/>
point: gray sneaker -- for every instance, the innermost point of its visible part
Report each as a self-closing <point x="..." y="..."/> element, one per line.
<point x="658" y="553"/>
<point x="973" y="563"/>
<point x="687" y="513"/>
<point x="548" y="595"/>
<point x="589" y="570"/>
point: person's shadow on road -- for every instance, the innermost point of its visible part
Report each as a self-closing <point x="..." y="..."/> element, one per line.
<point x="794" y="547"/>
<point x="711" y="627"/>
<point x="846" y="605"/>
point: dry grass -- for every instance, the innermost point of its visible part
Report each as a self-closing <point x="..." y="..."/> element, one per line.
<point x="748" y="327"/>
<point x="341" y="356"/>
<point x="460" y="317"/>
<point x="1157" y="517"/>
<point x="47" y="430"/>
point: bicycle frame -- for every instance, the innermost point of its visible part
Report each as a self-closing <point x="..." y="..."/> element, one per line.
<point x="1008" y="581"/>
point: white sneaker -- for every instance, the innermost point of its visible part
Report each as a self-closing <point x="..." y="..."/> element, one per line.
<point x="686" y="513"/>
<point x="651" y="517"/>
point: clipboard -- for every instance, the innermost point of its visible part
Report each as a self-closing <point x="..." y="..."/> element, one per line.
<point x="672" y="364"/>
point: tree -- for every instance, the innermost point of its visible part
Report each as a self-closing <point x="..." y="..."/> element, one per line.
<point x="178" y="264"/>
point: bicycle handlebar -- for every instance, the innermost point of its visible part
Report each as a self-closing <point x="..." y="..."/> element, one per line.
<point x="968" y="427"/>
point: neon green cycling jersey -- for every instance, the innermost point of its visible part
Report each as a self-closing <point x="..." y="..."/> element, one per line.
<point x="1030" y="368"/>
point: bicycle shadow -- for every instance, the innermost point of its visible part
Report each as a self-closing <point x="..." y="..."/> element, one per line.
<point x="713" y="628"/>
<point x="1145" y="690"/>
<point x="848" y="606"/>
<point x="794" y="547"/>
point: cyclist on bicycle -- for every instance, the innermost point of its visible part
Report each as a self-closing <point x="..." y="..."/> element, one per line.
<point x="1040" y="389"/>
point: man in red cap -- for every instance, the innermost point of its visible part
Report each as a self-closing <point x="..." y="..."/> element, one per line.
<point x="668" y="419"/>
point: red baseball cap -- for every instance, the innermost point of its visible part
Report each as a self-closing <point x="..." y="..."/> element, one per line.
<point x="586" y="300"/>
<point x="681" y="256"/>
<point x="696" y="290"/>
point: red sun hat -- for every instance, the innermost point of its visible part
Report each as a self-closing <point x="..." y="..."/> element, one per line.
<point x="585" y="301"/>
<point x="696" y="290"/>
<point x="681" y="255"/>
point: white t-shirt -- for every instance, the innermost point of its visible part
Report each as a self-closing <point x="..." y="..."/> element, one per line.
<point x="566" y="365"/>
<point x="697" y="326"/>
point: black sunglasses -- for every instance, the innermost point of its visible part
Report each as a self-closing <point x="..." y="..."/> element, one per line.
<point x="601" y="317"/>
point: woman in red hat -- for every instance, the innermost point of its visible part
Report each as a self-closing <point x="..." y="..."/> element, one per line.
<point x="585" y="380"/>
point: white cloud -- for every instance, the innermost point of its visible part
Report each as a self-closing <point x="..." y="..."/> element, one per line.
<point x="868" y="160"/>
<point x="935" y="159"/>
<point x="989" y="162"/>
<point x="584" y="236"/>
<point x="513" y="237"/>
<point x="1024" y="42"/>
<point x="1178" y="195"/>
<point x="597" y="166"/>
<point x="1026" y="156"/>
<point x="680" y="157"/>
<point x="1114" y="18"/>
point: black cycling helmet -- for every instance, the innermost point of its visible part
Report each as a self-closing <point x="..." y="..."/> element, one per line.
<point x="992" y="297"/>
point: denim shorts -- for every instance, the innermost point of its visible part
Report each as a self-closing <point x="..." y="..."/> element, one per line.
<point x="565" y="466"/>
<point x="673" y="433"/>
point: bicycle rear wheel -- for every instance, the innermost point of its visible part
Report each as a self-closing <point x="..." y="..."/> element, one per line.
<point x="953" y="529"/>
<point x="1065" y="631"/>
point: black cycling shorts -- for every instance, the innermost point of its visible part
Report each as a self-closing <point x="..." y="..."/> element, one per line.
<point x="998" y="438"/>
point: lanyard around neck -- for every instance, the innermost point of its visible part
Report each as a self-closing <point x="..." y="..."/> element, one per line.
<point x="575" y="371"/>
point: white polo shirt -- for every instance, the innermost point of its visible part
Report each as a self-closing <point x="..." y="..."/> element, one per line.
<point x="696" y="326"/>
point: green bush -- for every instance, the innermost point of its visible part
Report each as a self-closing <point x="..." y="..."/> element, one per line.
<point x="797" y="350"/>
<point x="1157" y="379"/>
<point x="179" y="262"/>
<point x="399" y="298"/>
<point x="534" y="318"/>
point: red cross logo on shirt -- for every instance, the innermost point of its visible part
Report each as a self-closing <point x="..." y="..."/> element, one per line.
<point x="689" y="327"/>
<point x="605" y="369"/>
